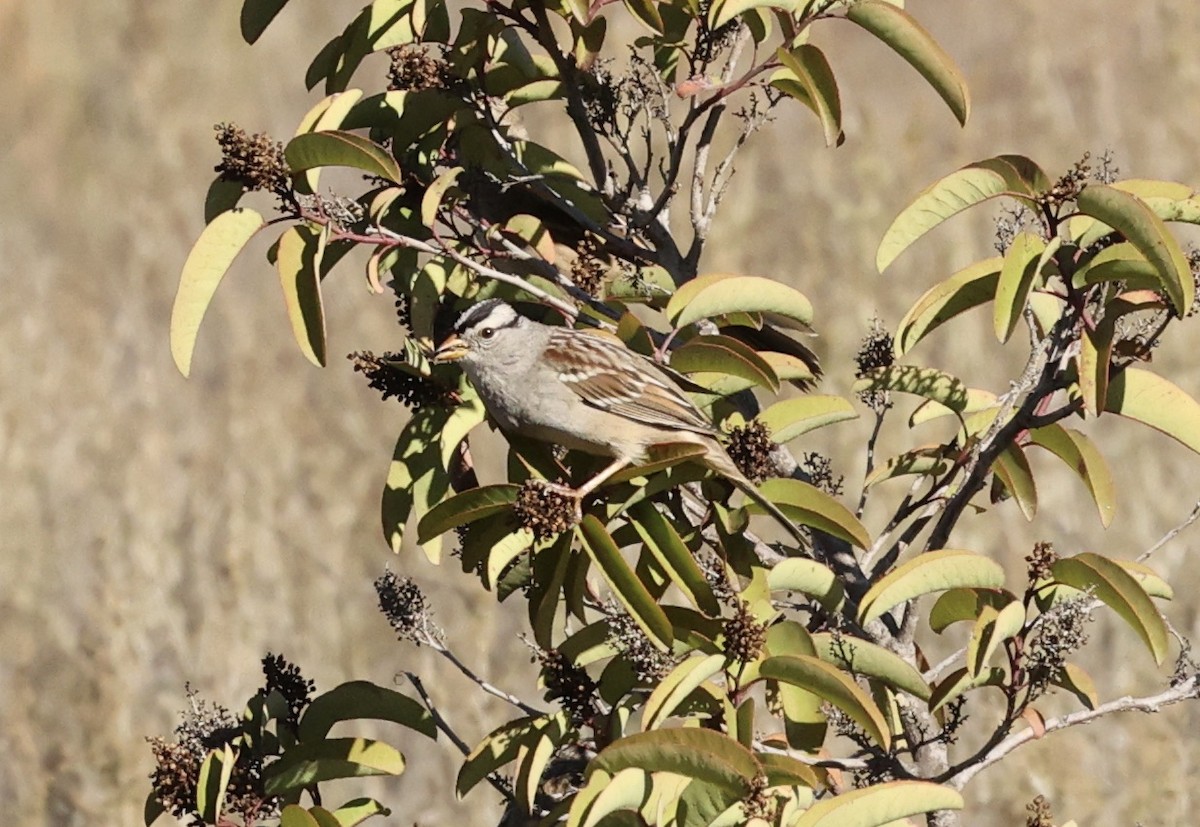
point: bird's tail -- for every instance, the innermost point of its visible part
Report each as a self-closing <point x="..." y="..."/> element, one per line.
<point x="721" y="462"/>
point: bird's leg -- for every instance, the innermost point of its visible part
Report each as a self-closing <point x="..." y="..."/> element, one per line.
<point x="577" y="494"/>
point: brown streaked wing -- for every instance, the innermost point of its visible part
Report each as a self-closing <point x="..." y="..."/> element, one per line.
<point x="636" y="390"/>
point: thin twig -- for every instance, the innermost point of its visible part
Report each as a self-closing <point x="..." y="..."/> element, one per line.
<point x="438" y="646"/>
<point x="1172" y="534"/>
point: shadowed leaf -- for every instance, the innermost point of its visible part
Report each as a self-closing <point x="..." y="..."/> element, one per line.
<point x="257" y="15"/>
<point x="358" y="700"/>
<point x="1081" y="455"/>
<point x="307" y="764"/>
<point x="927" y="382"/>
<point x="624" y="582"/>
<point x="298" y="262"/>
<point x="833" y="685"/>
<point x="810" y="506"/>
<point x="334" y="148"/>
<point x="717" y="294"/>
<point x="1148" y="398"/>
<point x="811" y="70"/>
<point x="1121" y="592"/>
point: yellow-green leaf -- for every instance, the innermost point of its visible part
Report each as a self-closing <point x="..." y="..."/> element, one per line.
<point x="865" y="658"/>
<point x="964" y="290"/>
<point x="467" y="507"/>
<point x="665" y="544"/>
<point x="833" y="685"/>
<point x="1081" y="455"/>
<point x="298" y="262"/>
<point x="1147" y="398"/>
<point x="808" y="577"/>
<point x="676" y="686"/>
<point x="958" y="605"/>
<point x="624" y="582"/>
<point x="1120" y="591"/>
<point x="725" y="355"/>
<point x="307" y="764"/>
<point x="933" y="571"/>
<point x="811" y="70"/>
<point x="696" y="753"/>
<point x="716" y="294"/>
<point x="960" y="681"/>
<point x="1130" y="216"/>
<point x="1012" y="467"/>
<point x="790" y="418"/>
<point x="927" y="382"/>
<point x="207" y="263"/>
<point x="1079" y="683"/>
<point x="811" y="506"/>
<point x="335" y="148"/>
<point x="880" y="804"/>
<point x="1021" y="264"/>
<point x="360" y="700"/>
<point x="992" y="628"/>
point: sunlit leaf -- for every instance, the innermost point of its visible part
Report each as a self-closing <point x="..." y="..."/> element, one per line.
<point x="696" y="753"/>
<point x="358" y="700"/>
<point x="966" y="289"/>
<point x="664" y="543"/>
<point x="1021" y="264"/>
<point x="992" y="628"/>
<point x="1012" y="467"/>
<point x="467" y="507"/>
<point x="358" y="810"/>
<point x="501" y="746"/>
<point x="790" y="418"/>
<point x="833" y="685"/>
<point x="1081" y="455"/>
<point x="212" y="781"/>
<point x="1120" y="591"/>
<point x="933" y="571"/>
<point x="717" y="294"/>
<point x="721" y="13"/>
<point x="431" y="201"/>
<point x="293" y="815"/>
<point x="810" y="506"/>
<point x="1079" y="683"/>
<point x="957" y="605"/>
<point x="676" y="686"/>
<point x="927" y="460"/>
<point x="207" y="263"/>
<point x="298" y="262"/>
<point x="335" y="148"/>
<point x="723" y="354"/>
<point x="880" y="804"/>
<point x="1148" y="398"/>
<point x="624" y="582"/>
<point x="927" y="382"/>
<point x="811" y="70"/>
<point x="960" y="681"/>
<point x="862" y="657"/>
<point x="807" y="577"/>
<point x="605" y="794"/>
<point x="310" y="763"/>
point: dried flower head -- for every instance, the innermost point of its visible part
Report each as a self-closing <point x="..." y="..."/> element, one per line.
<point x="256" y="161"/>
<point x="406" y="609"/>
<point x="820" y="473"/>
<point x="649" y="662"/>
<point x="876" y="351"/>
<point x="1068" y="187"/>
<point x="1039" y="561"/>
<point x="589" y="267"/>
<point x="285" y="678"/>
<point x="570" y="685"/>
<point x="410" y="389"/>
<point x="1061" y="631"/>
<point x="545" y="511"/>
<point x="750" y="448"/>
<point x="744" y="635"/>
<point x="413" y="69"/>
<point x="1040" y="813"/>
<point x="758" y="803"/>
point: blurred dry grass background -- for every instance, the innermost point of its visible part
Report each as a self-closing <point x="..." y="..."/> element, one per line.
<point x="156" y="531"/>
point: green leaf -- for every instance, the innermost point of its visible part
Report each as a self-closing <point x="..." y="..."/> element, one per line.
<point x="1021" y="265"/>
<point x="911" y="41"/>
<point x="1120" y="262"/>
<point x="931" y="460"/>
<point x="153" y="809"/>
<point x="464" y="508"/>
<point x="646" y="11"/>
<point x="664" y="543"/>
<point x="222" y="196"/>
<point x="323" y="818"/>
<point x="811" y="70"/>
<point x="360" y="700"/>
<point x="431" y="201"/>
<point x="606" y="794"/>
<point x="809" y="505"/>
<point x="717" y="294"/>
<point x="927" y="382"/>
<point x="1120" y="591"/>
<point x="1081" y="455"/>
<point x="695" y="753"/>
<point x="992" y="628"/>
<point x="960" y="681"/>
<point x="721" y="13"/>
<point x="791" y="418"/>
<point x="963" y="291"/>
<point x="334" y="148"/>
<point x="1011" y="175"/>
<point x="311" y="763"/>
<point x="298" y="262"/>
<point x="502" y="745"/>
<point x="880" y="804"/>
<point x="865" y="658"/>
<point x="1147" y="398"/>
<point x="358" y="810"/>
<point x="807" y="577"/>
<point x="833" y="685"/>
<point x="207" y="263"/>
<point x="1130" y="216"/>
<point x="1012" y="467"/>
<point x="933" y="571"/>
<point x="957" y="605"/>
<point x="212" y="781"/>
<point x="725" y="355"/>
<point x="1079" y="683"/>
<point x="625" y="584"/>
<point x="785" y="771"/>
<point x="257" y="15"/>
<point x="676" y="686"/>
<point x="293" y="815"/>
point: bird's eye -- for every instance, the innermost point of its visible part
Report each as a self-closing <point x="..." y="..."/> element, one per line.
<point x="487" y="333"/>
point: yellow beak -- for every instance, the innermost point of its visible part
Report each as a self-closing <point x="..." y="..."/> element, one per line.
<point x="450" y="350"/>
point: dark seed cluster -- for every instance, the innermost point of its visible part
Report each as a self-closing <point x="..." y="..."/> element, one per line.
<point x="649" y="662"/>
<point x="405" y="607"/>
<point x="1040" y="813"/>
<point x="570" y="685"/>
<point x="543" y="510"/>
<point x="1039" y="561"/>
<point x="285" y="678"/>
<point x="744" y="636"/>
<point x="1068" y="187"/>
<point x="876" y="351"/>
<point x="255" y="161"/>
<point x="750" y="448"/>
<point x="410" y="390"/>
<point x="413" y="69"/>
<point x="757" y="803"/>
<point x="1061" y="632"/>
<point x="820" y="473"/>
<point x="589" y="268"/>
<point x="713" y="568"/>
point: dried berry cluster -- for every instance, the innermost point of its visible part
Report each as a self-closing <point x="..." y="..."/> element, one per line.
<point x="820" y="473"/>
<point x="744" y="636"/>
<point x="757" y="803"/>
<point x="589" y="268"/>
<point x="1068" y="187"/>
<point x="1061" y="632"/>
<point x="750" y="448"/>
<point x="255" y="161"/>
<point x="1039" y="561"/>
<point x="405" y="607"/>
<point x="713" y="568"/>
<point x="649" y="662"/>
<point x="543" y="510"/>
<point x="570" y="685"/>
<point x="1040" y="813"/>
<point x="876" y="351"/>
<point x="413" y="69"/>
<point x="412" y="391"/>
<point x="285" y="678"/>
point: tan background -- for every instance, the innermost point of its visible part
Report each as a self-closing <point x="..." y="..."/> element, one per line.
<point x="156" y="531"/>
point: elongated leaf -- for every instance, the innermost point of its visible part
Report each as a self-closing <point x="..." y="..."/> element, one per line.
<point x="1016" y="278"/>
<point x="606" y="794"/>
<point x="992" y="628"/>
<point x="833" y="685"/>
<point x="212" y="781"/>
<point x="1121" y="592"/>
<point x="359" y="700"/>
<point x="721" y="13"/>
<point x="865" y="658"/>
<point x="1012" y="467"/>
<point x="531" y="763"/>
<point x="501" y="746"/>
<point x="716" y="294"/>
<point x="930" y="572"/>
<point x="1120" y="262"/>
<point x="298" y="262"/>
<point x="311" y="763"/>
<point x="808" y="577"/>
<point x="663" y="541"/>
<point x="1079" y="683"/>
<point x="960" y="681"/>
<point x="632" y="593"/>
<point x="927" y="382"/>
<point x="809" y="505"/>
<point x="464" y="508"/>
<point x="1011" y="175"/>
<point x="696" y="753"/>
<point x="927" y="460"/>
<point x="880" y="804"/>
<point x="1081" y="455"/>
<point x="222" y="196"/>
<point x="431" y="202"/>
<point x="335" y="148"/>
<point x="257" y="15"/>
<point x="1148" y="398"/>
<point x="966" y="604"/>
<point x="293" y="815"/>
<point x="964" y="290"/>
<point x="1144" y="230"/>
<point x="676" y="686"/>
<point x="724" y="354"/>
<point x="358" y="810"/>
<point x="790" y="418"/>
<point x="207" y="263"/>
<point x="811" y="70"/>
<point x="805" y="724"/>
<point x="911" y="41"/>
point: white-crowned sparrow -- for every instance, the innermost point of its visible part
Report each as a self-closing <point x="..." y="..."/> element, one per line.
<point x="582" y="390"/>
